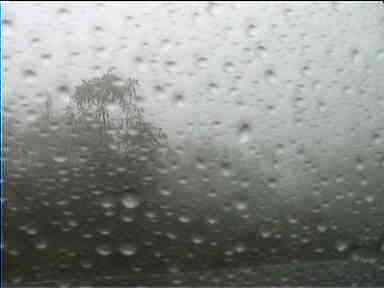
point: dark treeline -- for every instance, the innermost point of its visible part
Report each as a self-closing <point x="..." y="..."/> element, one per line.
<point x="97" y="190"/>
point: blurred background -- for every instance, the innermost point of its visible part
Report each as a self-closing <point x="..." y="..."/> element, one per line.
<point x="206" y="143"/>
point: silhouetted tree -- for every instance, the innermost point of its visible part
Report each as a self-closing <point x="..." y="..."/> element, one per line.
<point x="95" y="97"/>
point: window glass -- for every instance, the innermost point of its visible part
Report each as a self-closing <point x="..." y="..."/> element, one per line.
<point x="205" y="144"/>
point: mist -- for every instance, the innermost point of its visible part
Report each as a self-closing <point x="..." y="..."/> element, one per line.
<point x="253" y="136"/>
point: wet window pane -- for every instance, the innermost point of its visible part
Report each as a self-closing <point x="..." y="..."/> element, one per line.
<point x="204" y="144"/>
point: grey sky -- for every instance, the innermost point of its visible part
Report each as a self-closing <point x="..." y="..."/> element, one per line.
<point x="265" y="64"/>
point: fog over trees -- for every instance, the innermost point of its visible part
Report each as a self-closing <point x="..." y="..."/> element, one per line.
<point x="97" y="189"/>
<point x="205" y="144"/>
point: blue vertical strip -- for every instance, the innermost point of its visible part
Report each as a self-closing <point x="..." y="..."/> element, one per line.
<point x="2" y="181"/>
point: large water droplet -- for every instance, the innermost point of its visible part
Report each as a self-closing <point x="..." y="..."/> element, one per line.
<point x="252" y="30"/>
<point x="128" y="249"/>
<point x="29" y="75"/>
<point x="130" y="201"/>
<point x="270" y="76"/>
<point x="104" y="250"/>
<point x="244" y="132"/>
<point x="341" y="246"/>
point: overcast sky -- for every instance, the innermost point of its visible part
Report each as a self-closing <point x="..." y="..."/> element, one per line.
<point x="254" y="69"/>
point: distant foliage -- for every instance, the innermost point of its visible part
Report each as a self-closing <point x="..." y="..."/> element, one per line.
<point x="95" y="98"/>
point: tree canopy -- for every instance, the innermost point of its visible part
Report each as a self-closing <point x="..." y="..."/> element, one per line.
<point x="93" y="99"/>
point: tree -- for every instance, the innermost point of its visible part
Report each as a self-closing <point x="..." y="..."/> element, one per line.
<point x="97" y="96"/>
<point x="69" y="174"/>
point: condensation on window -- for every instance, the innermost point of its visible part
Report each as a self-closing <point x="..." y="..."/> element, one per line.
<point x="194" y="144"/>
